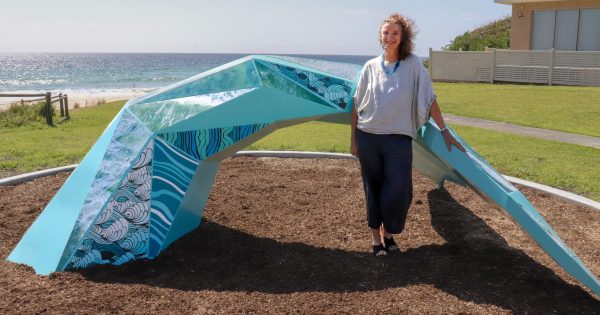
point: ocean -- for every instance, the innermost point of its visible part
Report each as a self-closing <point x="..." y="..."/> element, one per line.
<point x="97" y="73"/>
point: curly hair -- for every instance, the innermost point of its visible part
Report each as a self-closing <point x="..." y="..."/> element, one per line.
<point x="408" y="34"/>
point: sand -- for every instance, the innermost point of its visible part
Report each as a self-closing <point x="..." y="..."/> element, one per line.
<point x="81" y="98"/>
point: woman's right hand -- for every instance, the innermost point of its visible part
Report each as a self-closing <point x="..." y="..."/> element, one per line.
<point x="451" y="141"/>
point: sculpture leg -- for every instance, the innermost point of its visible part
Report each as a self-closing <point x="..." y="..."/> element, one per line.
<point x="191" y="209"/>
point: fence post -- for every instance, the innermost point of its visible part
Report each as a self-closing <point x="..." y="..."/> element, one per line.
<point x="493" y="74"/>
<point x="60" y="100"/>
<point x="551" y="67"/>
<point x="430" y="61"/>
<point x="49" y="109"/>
<point x="67" y="106"/>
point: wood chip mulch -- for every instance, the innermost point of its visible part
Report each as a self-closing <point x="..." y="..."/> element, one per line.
<point x="290" y="236"/>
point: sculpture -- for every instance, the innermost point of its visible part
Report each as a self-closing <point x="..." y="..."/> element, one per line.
<point x="145" y="182"/>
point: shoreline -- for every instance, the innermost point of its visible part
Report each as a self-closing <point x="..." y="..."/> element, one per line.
<point x="82" y="98"/>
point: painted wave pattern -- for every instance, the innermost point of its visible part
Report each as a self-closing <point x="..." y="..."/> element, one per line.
<point x="120" y="232"/>
<point x="238" y="77"/>
<point x="172" y="173"/>
<point x="161" y="114"/>
<point x="347" y="69"/>
<point x="334" y="90"/>
<point x="129" y="138"/>
<point x="201" y="144"/>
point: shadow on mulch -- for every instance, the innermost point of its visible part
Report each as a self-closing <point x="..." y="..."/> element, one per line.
<point x="479" y="270"/>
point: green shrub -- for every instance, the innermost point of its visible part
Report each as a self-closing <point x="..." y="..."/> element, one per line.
<point x="492" y="35"/>
<point x="22" y="114"/>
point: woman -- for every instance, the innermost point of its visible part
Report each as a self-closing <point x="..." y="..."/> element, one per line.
<point x="394" y="97"/>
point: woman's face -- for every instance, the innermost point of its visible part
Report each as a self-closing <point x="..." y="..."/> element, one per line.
<point x="391" y="36"/>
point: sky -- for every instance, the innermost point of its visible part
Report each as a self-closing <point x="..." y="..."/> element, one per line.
<point x="338" y="27"/>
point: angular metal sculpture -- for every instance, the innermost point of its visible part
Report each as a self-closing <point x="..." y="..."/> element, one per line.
<point x="145" y="182"/>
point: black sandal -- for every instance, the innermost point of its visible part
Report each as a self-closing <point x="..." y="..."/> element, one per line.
<point x="390" y="244"/>
<point x="379" y="251"/>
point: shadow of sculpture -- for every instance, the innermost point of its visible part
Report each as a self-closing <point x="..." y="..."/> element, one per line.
<point x="475" y="264"/>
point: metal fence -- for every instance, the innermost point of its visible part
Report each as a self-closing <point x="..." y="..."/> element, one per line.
<point x="526" y="66"/>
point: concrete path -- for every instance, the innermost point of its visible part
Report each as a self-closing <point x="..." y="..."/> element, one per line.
<point x="589" y="141"/>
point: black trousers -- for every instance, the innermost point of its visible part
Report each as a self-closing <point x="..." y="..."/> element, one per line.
<point x="386" y="167"/>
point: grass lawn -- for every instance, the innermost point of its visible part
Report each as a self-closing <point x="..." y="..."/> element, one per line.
<point x="561" y="165"/>
<point x="574" y="109"/>
<point x="566" y="166"/>
<point x="313" y="136"/>
<point x="37" y="146"/>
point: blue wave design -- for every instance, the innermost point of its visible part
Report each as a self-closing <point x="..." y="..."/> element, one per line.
<point x="173" y="158"/>
<point x="158" y="234"/>
<point x="164" y="209"/>
<point x="336" y="91"/>
<point x="166" y="193"/>
<point x="155" y="243"/>
<point x="202" y="144"/>
<point x="162" y="227"/>
<point x="159" y="228"/>
<point x="162" y="205"/>
<point x="171" y="177"/>
<point x="166" y="170"/>
<point x="163" y="181"/>
<point x="117" y="239"/>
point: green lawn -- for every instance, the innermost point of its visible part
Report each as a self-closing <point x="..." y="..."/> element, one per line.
<point x="37" y="146"/>
<point x="571" y="167"/>
<point x="312" y="136"/>
<point x="566" y="166"/>
<point x="572" y="109"/>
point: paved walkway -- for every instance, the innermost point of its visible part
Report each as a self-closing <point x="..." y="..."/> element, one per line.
<point x="589" y="141"/>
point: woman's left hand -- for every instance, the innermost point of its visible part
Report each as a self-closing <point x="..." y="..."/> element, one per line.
<point x="451" y="141"/>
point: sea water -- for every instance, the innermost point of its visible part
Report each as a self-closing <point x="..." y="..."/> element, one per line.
<point x="97" y="73"/>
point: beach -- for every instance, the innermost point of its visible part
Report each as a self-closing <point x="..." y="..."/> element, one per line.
<point x="81" y="98"/>
<point x="91" y="78"/>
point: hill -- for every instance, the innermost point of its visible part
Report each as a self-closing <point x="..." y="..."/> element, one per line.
<point x="492" y="35"/>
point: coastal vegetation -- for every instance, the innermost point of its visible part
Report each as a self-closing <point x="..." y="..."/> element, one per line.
<point x="23" y="114"/>
<point x="31" y="147"/>
<point x="492" y="35"/>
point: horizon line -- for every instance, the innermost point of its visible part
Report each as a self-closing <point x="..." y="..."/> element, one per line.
<point x="182" y="53"/>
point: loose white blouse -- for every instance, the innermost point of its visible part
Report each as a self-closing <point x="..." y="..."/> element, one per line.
<point x="396" y="103"/>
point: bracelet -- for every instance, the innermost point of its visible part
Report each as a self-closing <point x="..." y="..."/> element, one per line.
<point x="444" y="129"/>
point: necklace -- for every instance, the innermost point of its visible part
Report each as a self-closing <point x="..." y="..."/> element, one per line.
<point x="386" y="70"/>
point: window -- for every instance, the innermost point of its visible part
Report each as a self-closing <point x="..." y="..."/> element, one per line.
<point x="543" y="30"/>
<point x="589" y="30"/>
<point x="566" y="29"/>
<point x="565" y="32"/>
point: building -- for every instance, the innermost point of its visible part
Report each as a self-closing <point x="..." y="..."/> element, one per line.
<point x="563" y="25"/>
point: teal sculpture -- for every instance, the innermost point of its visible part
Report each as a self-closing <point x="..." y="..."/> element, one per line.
<point x="145" y="182"/>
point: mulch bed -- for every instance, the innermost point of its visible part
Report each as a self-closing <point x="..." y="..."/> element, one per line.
<point x="290" y="236"/>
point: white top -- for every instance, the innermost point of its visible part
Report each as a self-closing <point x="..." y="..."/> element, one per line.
<point x="385" y="102"/>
